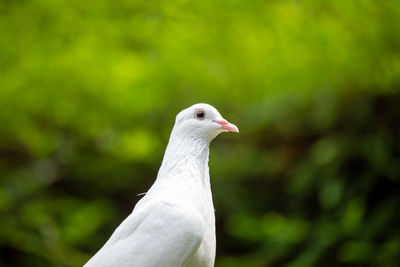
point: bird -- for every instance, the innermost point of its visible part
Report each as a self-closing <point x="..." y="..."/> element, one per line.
<point x="173" y="225"/>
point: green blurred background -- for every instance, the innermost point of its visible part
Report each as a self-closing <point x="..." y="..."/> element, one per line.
<point x="89" y="91"/>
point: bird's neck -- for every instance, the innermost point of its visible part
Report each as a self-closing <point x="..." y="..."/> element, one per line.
<point x="184" y="173"/>
<point x="185" y="152"/>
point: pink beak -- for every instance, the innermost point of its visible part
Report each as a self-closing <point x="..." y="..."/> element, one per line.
<point x="227" y="126"/>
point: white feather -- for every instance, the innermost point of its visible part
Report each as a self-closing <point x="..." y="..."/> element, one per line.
<point x="173" y="225"/>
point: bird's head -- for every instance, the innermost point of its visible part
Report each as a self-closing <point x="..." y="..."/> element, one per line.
<point x="202" y="121"/>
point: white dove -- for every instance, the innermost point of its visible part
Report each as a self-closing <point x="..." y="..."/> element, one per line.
<point x="173" y="225"/>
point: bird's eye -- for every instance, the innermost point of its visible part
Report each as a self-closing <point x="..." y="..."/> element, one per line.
<point x="200" y="114"/>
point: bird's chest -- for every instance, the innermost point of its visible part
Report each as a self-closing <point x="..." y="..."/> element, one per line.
<point x="201" y="200"/>
<point x="205" y="254"/>
<point x="191" y="187"/>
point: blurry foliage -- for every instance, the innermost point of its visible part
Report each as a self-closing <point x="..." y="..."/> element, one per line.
<point x="89" y="91"/>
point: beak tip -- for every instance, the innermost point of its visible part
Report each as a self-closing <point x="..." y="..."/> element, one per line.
<point x="229" y="127"/>
<point x="235" y="129"/>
